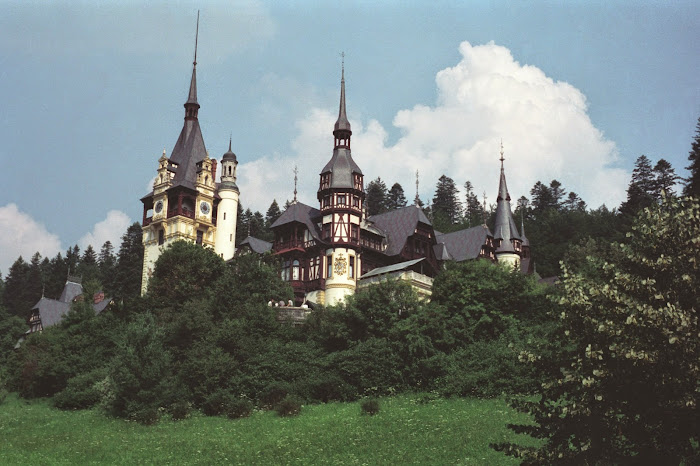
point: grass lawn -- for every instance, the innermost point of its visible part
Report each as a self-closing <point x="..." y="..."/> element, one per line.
<point x="454" y="431"/>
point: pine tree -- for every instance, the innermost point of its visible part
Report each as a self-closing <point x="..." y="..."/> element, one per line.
<point x="16" y="301"/>
<point x="376" y="197"/>
<point x="640" y="192"/>
<point x="574" y="202"/>
<point x="88" y="269"/>
<point x="396" y="198"/>
<point x="558" y="193"/>
<point x="106" y="263"/>
<point x="445" y="201"/>
<point x="692" y="183"/>
<point x="273" y="213"/>
<point x="542" y="197"/>
<point x="242" y="221"/>
<point x="473" y="210"/>
<point x="129" y="264"/>
<point x="243" y="225"/>
<point x="665" y="179"/>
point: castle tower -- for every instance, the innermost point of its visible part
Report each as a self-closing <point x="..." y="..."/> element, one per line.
<point x="183" y="201"/>
<point x="227" y="211"/>
<point x="505" y="232"/>
<point x="341" y="196"/>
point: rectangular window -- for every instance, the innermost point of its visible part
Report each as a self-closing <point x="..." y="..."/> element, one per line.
<point x="329" y="266"/>
<point x="351" y="268"/>
<point x="161" y="236"/>
<point x="341" y="199"/>
<point x="224" y="215"/>
<point x="355" y="201"/>
<point x="200" y="236"/>
<point x="326" y="231"/>
<point x="354" y="232"/>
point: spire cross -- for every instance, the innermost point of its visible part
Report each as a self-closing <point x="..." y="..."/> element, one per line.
<point x="296" y="171"/>
<point x="484" y="210"/>
<point x="196" y="37"/>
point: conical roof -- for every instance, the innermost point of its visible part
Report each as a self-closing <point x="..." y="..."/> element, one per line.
<point x="342" y="124"/>
<point x="504" y="227"/>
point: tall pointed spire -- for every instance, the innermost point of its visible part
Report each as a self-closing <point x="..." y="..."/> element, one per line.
<point x="192" y="106"/>
<point x="342" y="129"/>
<point x="504" y="229"/>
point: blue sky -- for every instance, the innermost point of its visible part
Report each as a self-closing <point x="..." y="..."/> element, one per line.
<point x="93" y="93"/>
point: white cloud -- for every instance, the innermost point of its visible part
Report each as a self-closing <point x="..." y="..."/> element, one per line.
<point x="22" y="235"/>
<point x="109" y="229"/>
<point x="485" y="98"/>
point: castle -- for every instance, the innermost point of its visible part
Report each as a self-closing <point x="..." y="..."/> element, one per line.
<point x="327" y="251"/>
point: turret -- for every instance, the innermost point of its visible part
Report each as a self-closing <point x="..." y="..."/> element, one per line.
<point x="505" y="233"/>
<point x="227" y="211"/>
<point x="341" y="196"/>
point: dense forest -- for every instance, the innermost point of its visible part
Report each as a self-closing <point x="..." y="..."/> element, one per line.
<point x="607" y="359"/>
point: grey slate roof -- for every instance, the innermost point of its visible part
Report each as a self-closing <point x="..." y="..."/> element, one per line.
<point x="256" y="245"/>
<point x="464" y="244"/>
<point x="398" y="225"/>
<point x="342" y="123"/>
<point x="302" y="213"/>
<point x="189" y="148"/>
<point x="392" y="268"/>
<point x="341" y="167"/>
<point x="504" y="227"/>
<point x="51" y="311"/>
<point x="71" y="290"/>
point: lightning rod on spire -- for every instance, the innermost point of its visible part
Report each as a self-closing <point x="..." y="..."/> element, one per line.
<point x="196" y="38"/>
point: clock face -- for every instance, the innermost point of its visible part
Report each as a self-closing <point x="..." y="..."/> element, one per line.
<point x="159" y="206"/>
<point x="204" y="207"/>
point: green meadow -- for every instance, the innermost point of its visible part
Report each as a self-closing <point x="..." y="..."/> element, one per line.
<point x="407" y="430"/>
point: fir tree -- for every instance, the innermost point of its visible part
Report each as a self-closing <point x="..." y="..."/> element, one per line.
<point x="273" y="213"/>
<point x="396" y="198"/>
<point x="376" y="197"/>
<point x="445" y="201"/>
<point x="574" y="202"/>
<point x="129" y="264"/>
<point x="640" y="192"/>
<point x="665" y="179"/>
<point x="473" y="210"/>
<point x="106" y="263"/>
<point x="692" y="183"/>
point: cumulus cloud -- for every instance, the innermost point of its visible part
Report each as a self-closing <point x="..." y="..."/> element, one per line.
<point x="485" y="98"/>
<point x="23" y="236"/>
<point x="109" y="229"/>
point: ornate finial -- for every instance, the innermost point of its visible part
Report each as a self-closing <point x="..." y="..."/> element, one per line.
<point x="484" y="210"/>
<point x="295" y="184"/>
<point x="230" y="137"/>
<point x="342" y="65"/>
<point x="196" y="37"/>
<point x="415" y="201"/>
<point x="502" y="159"/>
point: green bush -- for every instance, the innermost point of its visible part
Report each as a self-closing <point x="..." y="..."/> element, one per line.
<point x="82" y="391"/>
<point x="218" y="402"/>
<point x="238" y="408"/>
<point x="180" y="410"/>
<point x="273" y="394"/>
<point x="289" y="406"/>
<point x="370" y="406"/>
